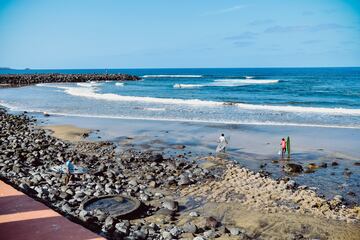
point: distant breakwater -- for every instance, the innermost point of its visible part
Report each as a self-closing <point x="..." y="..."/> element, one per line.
<point x="18" y="80"/>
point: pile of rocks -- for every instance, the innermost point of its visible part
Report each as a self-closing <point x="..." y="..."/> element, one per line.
<point x="15" y="80"/>
<point x="27" y="154"/>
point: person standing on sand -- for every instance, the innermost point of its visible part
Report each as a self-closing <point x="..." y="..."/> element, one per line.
<point x="222" y="144"/>
<point x="283" y="147"/>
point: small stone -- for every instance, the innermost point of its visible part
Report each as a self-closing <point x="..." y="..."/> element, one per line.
<point x="199" y="238"/>
<point x="175" y="231"/>
<point x="171" y="205"/>
<point x="234" y="231"/>
<point x="166" y="235"/>
<point x="209" y="234"/>
<point x="211" y="222"/>
<point x="194" y="214"/>
<point x="190" y="228"/>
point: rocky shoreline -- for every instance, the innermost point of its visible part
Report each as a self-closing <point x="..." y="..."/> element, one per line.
<point x="164" y="186"/>
<point x="17" y="80"/>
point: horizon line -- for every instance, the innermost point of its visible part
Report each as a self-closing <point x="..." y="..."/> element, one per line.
<point x="140" y="68"/>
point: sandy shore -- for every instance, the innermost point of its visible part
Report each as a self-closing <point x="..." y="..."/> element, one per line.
<point x="68" y="132"/>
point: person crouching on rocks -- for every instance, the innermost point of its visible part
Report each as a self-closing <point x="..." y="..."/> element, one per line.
<point x="283" y="147"/>
<point x="69" y="171"/>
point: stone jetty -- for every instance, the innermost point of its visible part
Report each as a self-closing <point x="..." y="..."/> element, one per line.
<point x="18" y="80"/>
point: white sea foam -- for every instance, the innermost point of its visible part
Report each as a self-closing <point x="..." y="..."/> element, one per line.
<point x="249" y="77"/>
<point x="178" y="85"/>
<point x="88" y="84"/>
<point x="246" y="81"/>
<point x="155" y="109"/>
<point x="265" y="123"/>
<point x="227" y="83"/>
<point x="91" y="93"/>
<point x="119" y="84"/>
<point x="172" y="76"/>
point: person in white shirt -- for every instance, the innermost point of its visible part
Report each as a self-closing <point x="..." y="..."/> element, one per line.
<point x="222" y="144"/>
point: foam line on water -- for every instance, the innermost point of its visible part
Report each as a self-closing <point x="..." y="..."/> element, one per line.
<point x="248" y="81"/>
<point x="265" y="123"/>
<point x="179" y="85"/>
<point x="228" y="83"/>
<point x="172" y="76"/>
<point x="91" y="93"/>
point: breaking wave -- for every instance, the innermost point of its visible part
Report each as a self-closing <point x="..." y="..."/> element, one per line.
<point x="90" y="92"/>
<point x="178" y="85"/>
<point x="172" y="76"/>
<point x="227" y="83"/>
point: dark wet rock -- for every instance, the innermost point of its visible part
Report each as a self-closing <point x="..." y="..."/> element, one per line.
<point x="184" y="180"/>
<point x="211" y="222"/>
<point x="312" y="166"/>
<point x="323" y="165"/>
<point x="293" y="168"/>
<point x="347" y="173"/>
<point x="351" y="194"/>
<point x="334" y="163"/>
<point x="357" y="163"/>
<point x="308" y="170"/>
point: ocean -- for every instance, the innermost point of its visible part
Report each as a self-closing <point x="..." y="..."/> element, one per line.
<point x="323" y="97"/>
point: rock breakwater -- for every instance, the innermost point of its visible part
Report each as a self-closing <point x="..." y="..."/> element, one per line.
<point x="17" y="80"/>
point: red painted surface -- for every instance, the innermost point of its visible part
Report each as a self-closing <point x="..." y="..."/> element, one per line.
<point x="21" y="217"/>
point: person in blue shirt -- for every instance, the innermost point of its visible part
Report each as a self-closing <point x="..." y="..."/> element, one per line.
<point x="69" y="171"/>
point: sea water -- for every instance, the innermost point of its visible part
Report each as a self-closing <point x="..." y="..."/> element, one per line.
<point x="325" y="97"/>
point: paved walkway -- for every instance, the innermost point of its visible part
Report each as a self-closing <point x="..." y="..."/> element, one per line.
<point x="22" y="217"/>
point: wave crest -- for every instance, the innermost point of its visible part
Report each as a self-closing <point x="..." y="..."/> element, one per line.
<point x="91" y="93"/>
<point x="172" y="76"/>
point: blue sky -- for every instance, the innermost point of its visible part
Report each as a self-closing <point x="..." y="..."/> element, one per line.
<point x="186" y="33"/>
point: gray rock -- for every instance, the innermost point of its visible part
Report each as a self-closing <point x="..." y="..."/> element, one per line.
<point x="166" y="235"/>
<point x="190" y="228"/>
<point x="122" y="228"/>
<point x="193" y="214"/>
<point x="184" y="180"/>
<point x="209" y="234"/>
<point x="234" y="231"/>
<point x="198" y="238"/>
<point x="291" y="184"/>
<point x="175" y="231"/>
<point x="171" y="205"/>
<point x="109" y="224"/>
